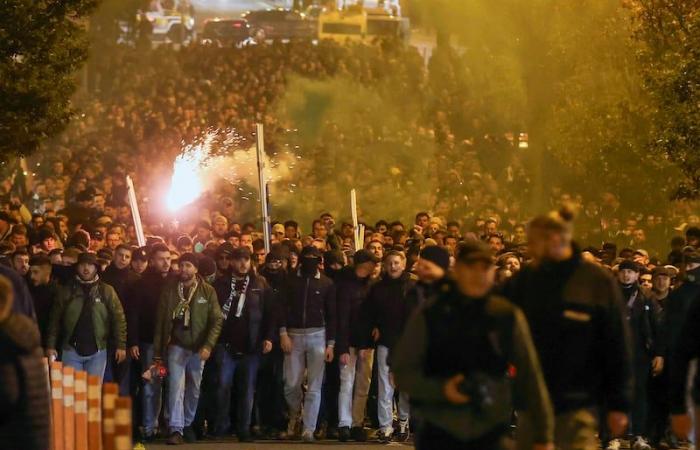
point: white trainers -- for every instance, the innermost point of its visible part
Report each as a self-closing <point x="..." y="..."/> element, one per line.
<point x="640" y="444"/>
<point x="307" y="436"/>
<point x="614" y="444"/>
<point x="404" y="433"/>
<point x="385" y="434"/>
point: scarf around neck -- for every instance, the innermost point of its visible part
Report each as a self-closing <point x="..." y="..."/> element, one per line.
<point x="183" y="307"/>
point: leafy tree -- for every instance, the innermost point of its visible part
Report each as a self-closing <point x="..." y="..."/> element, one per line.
<point x="669" y="34"/>
<point x="563" y="72"/>
<point x="42" y="45"/>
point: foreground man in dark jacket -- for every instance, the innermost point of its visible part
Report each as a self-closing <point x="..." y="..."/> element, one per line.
<point x="464" y="393"/>
<point x="578" y="324"/>
<point x="24" y="396"/>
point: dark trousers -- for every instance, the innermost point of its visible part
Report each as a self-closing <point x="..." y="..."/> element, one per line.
<point x="119" y="373"/>
<point x="430" y="437"/>
<point x="244" y="370"/>
<point x="206" y="408"/>
<point x="640" y="406"/>
<point x="659" y="409"/>
<point x="328" y="411"/>
<point x="270" y="404"/>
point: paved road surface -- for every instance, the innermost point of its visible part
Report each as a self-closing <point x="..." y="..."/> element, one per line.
<point x="280" y="445"/>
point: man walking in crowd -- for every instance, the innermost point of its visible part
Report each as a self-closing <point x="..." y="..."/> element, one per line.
<point x="352" y="286"/>
<point x="658" y="411"/>
<point x="643" y="317"/>
<point x="188" y="324"/>
<point x="684" y="341"/>
<point x="43" y="290"/>
<point x="83" y="317"/>
<point x="120" y="276"/>
<point x="463" y="393"/>
<point x="575" y="311"/>
<point x="307" y="336"/>
<point x="270" y="401"/>
<point x="387" y="312"/>
<point x="141" y="325"/>
<point x="246" y="303"/>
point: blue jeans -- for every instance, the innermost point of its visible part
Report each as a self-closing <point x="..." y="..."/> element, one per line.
<point x="94" y="364"/>
<point x="246" y="389"/>
<point x="184" y="377"/>
<point x="152" y="392"/>
<point x="308" y="352"/>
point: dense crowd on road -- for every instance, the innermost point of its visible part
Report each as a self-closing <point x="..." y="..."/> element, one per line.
<point x="213" y="334"/>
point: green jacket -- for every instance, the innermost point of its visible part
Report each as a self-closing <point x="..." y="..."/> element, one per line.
<point x="107" y="315"/>
<point x="205" y="319"/>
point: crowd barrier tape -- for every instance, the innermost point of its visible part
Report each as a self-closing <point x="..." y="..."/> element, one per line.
<point x="85" y="413"/>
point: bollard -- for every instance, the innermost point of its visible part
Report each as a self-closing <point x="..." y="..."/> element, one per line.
<point x="109" y="398"/>
<point x="81" y="410"/>
<point x="122" y="424"/>
<point x="57" y="405"/>
<point x="68" y="408"/>
<point x="94" y="396"/>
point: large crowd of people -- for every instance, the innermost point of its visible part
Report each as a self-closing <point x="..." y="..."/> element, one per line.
<point x="213" y="334"/>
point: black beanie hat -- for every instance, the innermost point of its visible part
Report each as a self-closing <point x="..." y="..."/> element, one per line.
<point x="436" y="255"/>
<point x="190" y="258"/>
<point x="631" y="265"/>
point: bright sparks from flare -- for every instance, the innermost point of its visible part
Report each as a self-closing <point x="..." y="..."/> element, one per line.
<point x="186" y="185"/>
<point x="221" y="155"/>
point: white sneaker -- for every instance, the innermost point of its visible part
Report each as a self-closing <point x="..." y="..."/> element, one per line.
<point x="640" y="444"/>
<point x="307" y="436"/>
<point x="404" y="433"/>
<point x="615" y="444"/>
<point x="385" y="434"/>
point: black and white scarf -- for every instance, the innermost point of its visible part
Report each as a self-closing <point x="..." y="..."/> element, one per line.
<point x="234" y="293"/>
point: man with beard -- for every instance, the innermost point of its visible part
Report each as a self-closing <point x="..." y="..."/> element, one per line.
<point x="387" y="313"/>
<point x="270" y="401"/>
<point x="141" y="325"/>
<point x="84" y="315"/>
<point x="44" y="291"/>
<point x="246" y="304"/>
<point x="307" y="336"/>
<point x="575" y="311"/>
<point x="643" y="317"/>
<point x="20" y="262"/>
<point x="120" y="276"/>
<point x="188" y="324"/>
<point x="352" y="286"/>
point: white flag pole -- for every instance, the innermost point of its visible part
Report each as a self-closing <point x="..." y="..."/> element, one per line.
<point x="260" y="140"/>
<point x="355" y="227"/>
<point x="136" y="216"/>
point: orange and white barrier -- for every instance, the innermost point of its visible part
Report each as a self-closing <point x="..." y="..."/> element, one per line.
<point x="85" y="414"/>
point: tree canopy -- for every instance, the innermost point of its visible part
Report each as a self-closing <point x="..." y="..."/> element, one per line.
<point x="43" y="43"/>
